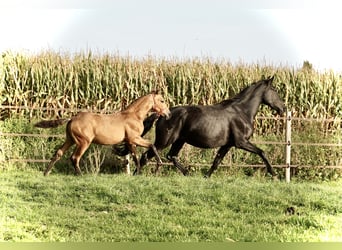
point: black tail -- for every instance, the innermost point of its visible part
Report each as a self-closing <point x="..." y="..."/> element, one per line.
<point x="51" y="124"/>
<point x="121" y="149"/>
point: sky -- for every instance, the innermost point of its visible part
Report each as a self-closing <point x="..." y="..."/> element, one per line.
<point x="273" y="32"/>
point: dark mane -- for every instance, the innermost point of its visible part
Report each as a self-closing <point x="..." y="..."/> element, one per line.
<point x="246" y="91"/>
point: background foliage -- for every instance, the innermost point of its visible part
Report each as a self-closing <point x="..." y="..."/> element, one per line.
<point x="110" y="82"/>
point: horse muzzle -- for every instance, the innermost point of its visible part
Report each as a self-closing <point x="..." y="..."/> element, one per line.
<point x="281" y="110"/>
<point x="166" y="113"/>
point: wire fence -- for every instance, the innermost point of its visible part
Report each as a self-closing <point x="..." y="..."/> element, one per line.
<point x="285" y="143"/>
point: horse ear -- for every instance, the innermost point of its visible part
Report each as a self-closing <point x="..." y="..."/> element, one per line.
<point x="155" y="92"/>
<point x="270" y="79"/>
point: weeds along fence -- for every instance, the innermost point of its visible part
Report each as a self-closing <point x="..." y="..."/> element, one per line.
<point x="54" y="85"/>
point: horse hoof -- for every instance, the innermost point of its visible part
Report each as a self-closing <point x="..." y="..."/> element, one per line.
<point x="136" y="173"/>
<point x="186" y="173"/>
<point x="78" y="173"/>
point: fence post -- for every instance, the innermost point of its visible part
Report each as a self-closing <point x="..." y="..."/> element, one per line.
<point x="288" y="147"/>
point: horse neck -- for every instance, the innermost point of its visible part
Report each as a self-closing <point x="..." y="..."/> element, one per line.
<point x="140" y="107"/>
<point x="249" y="103"/>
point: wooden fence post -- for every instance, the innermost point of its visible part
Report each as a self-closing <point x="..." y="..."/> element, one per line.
<point x="288" y="147"/>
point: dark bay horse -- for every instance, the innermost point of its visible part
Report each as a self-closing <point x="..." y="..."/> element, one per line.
<point x="224" y="125"/>
<point x="86" y="128"/>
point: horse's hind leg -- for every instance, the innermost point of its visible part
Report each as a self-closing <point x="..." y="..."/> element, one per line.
<point x="173" y="153"/>
<point x="218" y="159"/>
<point x="67" y="144"/>
<point x="76" y="156"/>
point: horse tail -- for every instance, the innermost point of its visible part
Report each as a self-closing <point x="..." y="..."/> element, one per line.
<point x="51" y="123"/>
<point x="121" y="149"/>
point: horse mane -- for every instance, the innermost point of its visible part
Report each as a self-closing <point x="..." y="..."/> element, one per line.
<point x="135" y="102"/>
<point x="246" y="91"/>
<point x="138" y="100"/>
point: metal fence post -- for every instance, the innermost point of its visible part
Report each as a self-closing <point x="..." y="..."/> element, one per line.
<point x="288" y="147"/>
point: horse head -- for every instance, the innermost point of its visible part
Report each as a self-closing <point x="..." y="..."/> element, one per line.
<point x="159" y="104"/>
<point x="271" y="97"/>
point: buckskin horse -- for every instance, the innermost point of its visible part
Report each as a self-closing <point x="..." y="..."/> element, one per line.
<point x="108" y="129"/>
<point x="224" y="125"/>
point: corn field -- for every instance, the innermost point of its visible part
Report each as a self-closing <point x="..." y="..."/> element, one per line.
<point x="110" y="82"/>
<point x="49" y="82"/>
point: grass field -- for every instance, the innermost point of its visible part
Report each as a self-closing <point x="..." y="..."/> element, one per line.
<point x="174" y="208"/>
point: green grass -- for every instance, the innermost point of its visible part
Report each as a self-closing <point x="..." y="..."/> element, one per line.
<point x="173" y="208"/>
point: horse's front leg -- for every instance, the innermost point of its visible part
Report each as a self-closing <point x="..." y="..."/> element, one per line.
<point x="139" y="141"/>
<point x="246" y="145"/>
<point x="218" y="159"/>
<point x="159" y="161"/>
<point x="133" y="149"/>
<point x="146" y="156"/>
